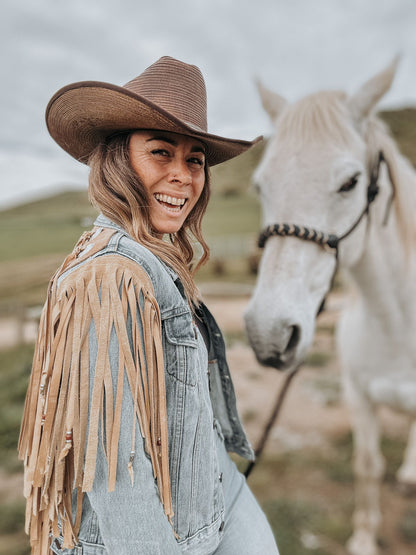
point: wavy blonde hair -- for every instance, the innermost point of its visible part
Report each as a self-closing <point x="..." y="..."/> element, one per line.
<point x="116" y="190"/>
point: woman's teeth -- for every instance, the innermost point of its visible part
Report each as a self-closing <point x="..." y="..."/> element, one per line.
<point x="171" y="203"/>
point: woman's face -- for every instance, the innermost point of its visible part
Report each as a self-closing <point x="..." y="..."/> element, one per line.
<point x="171" y="168"/>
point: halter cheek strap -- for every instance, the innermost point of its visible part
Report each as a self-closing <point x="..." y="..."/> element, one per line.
<point x="330" y="240"/>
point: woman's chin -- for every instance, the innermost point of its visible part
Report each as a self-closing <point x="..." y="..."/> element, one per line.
<point x="163" y="227"/>
<point x="168" y="223"/>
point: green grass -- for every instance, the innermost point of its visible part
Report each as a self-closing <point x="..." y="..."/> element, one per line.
<point x="393" y="450"/>
<point x="15" y="365"/>
<point x="328" y="388"/>
<point x="308" y="495"/>
<point x="305" y="527"/>
<point x="318" y="359"/>
<point x="234" y="177"/>
<point x="407" y="526"/>
<point x="403" y="128"/>
<point x="232" y="215"/>
<point x="340" y="468"/>
<point x="43" y="227"/>
<point x="306" y="516"/>
<point x="290" y="520"/>
<point x="15" y="544"/>
<point x="12" y="517"/>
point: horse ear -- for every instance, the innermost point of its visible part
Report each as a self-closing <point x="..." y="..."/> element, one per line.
<point x="273" y="103"/>
<point x="371" y="92"/>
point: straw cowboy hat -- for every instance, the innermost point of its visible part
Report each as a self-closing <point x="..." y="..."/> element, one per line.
<point x="169" y="95"/>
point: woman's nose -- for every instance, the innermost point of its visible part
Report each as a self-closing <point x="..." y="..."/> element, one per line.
<point x="180" y="172"/>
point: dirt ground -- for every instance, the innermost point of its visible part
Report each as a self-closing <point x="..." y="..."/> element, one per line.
<point x="313" y="417"/>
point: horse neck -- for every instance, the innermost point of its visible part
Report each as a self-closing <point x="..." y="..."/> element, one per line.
<point x="385" y="274"/>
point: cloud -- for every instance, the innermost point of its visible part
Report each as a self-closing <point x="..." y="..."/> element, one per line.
<point x="295" y="47"/>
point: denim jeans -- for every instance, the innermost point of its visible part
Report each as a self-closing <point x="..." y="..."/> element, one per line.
<point x="246" y="529"/>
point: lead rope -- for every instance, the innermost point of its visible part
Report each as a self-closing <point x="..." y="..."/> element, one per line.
<point x="326" y="240"/>
<point x="273" y="417"/>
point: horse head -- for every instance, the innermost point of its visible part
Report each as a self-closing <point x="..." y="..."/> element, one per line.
<point x="314" y="173"/>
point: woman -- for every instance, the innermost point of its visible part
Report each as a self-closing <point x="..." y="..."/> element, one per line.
<point x="130" y="409"/>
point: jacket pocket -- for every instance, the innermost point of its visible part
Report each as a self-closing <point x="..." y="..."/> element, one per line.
<point x="181" y="348"/>
<point x="83" y="548"/>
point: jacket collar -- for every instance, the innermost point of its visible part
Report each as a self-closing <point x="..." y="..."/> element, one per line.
<point x="103" y="221"/>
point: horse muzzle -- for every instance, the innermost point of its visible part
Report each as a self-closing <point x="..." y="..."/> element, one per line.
<point x="275" y="345"/>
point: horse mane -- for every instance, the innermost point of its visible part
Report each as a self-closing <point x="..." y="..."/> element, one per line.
<point x="321" y="115"/>
<point x="325" y="115"/>
<point x="401" y="173"/>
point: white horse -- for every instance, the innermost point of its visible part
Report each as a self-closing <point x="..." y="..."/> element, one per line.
<point x="315" y="173"/>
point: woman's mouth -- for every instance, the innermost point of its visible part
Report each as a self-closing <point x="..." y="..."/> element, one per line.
<point x="173" y="204"/>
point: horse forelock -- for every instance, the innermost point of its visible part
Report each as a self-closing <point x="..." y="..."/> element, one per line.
<point x="322" y="116"/>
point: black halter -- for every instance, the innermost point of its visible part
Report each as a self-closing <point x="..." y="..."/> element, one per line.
<point x="329" y="240"/>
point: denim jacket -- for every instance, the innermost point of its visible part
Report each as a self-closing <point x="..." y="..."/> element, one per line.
<point x="201" y="406"/>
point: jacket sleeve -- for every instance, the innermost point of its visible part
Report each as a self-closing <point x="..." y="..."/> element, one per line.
<point x="95" y="416"/>
<point x="132" y="519"/>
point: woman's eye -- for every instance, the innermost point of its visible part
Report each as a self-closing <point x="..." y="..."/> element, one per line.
<point x="197" y="161"/>
<point x="160" y="152"/>
<point x="350" y="184"/>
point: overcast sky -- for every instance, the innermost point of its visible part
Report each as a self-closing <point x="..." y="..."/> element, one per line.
<point x="294" y="46"/>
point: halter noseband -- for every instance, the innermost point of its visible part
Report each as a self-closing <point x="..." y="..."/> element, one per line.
<point x="329" y="240"/>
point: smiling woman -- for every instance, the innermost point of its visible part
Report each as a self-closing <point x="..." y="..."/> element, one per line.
<point x="130" y="411"/>
<point x="171" y="169"/>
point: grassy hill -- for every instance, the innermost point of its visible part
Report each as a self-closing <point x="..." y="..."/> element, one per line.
<point x="402" y="124"/>
<point x="35" y="237"/>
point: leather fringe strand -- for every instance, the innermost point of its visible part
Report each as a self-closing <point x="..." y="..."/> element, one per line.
<point x="57" y="454"/>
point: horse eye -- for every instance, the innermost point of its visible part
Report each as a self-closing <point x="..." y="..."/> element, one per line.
<point x="349" y="185"/>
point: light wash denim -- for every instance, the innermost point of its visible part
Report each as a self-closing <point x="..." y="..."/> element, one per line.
<point x="246" y="529"/>
<point x="202" y="425"/>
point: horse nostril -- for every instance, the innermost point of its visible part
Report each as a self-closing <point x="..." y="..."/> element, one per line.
<point x="294" y="339"/>
<point x="283" y="358"/>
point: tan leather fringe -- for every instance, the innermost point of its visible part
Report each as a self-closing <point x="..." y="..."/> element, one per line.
<point x="57" y="454"/>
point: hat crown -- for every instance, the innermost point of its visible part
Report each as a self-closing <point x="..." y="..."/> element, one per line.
<point x="175" y="86"/>
<point x="169" y="95"/>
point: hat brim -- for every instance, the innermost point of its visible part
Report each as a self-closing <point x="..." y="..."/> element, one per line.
<point x="80" y="116"/>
